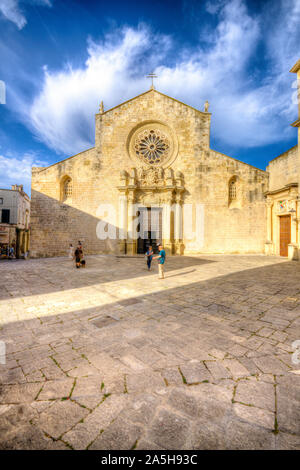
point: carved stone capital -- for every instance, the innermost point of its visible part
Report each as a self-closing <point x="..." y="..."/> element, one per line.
<point x="269" y="202"/>
<point x="132" y="177"/>
<point x="178" y="198"/>
<point x="131" y="197"/>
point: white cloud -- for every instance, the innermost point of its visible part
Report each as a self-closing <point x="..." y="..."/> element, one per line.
<point x="62" y="114"/>
<point x="12" y="11"/>
<point x="17" y="170"/>
<point x="247" y="110"/>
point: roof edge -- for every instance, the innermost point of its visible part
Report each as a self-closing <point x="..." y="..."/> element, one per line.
<point x="296" y="123"/>
<point x="156" y="91"/>
<point x="295" y="67"/>
<point x="282" y="154"/>
<point x="240" y="161"/>
<point x="284" y="188"/>
<point x="23" y="193"/>
<point x="42" y="168"/>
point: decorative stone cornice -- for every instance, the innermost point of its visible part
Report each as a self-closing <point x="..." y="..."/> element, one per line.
<point x="296" y="123"/>
<point x="151" y="179"/>
<point x="296" y="67"/>
<point x="287" y="187"/>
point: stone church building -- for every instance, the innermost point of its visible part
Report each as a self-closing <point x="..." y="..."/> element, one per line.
<point x="152" y="164"/>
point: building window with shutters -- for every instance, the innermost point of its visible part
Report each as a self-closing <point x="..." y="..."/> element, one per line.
<point x="232" y="190"/>
<point x="66" y="189"/>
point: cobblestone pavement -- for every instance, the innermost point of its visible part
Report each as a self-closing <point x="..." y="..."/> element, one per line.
<point x="110" y="357"/>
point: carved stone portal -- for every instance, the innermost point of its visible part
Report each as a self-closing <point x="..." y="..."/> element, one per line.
<point x="150" y="177"/>
<point x="151" y="187"/>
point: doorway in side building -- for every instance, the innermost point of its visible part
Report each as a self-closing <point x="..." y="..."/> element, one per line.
<point x="285" y="234"/>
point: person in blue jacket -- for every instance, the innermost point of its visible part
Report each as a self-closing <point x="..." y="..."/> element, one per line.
<point x="161" y="262"/>
<point x="149" y="256"/>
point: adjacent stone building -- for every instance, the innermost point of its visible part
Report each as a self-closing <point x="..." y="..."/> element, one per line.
<point x="153" y="152"/>
<point x="283" y="198"/>
<point x="14" y="220"/>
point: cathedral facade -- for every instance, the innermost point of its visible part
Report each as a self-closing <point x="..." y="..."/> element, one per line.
<point x="152" y="177"/>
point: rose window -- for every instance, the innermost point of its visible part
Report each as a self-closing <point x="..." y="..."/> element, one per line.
<point x="152" y="146"/>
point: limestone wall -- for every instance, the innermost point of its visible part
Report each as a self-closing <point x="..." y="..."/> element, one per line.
<point x="95" y="173"/>
<point x="55" y="224"/>
<point x="283" y="169"/>
<point x="237" y="227"/>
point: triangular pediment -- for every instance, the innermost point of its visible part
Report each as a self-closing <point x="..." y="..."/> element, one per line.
<point x="155" y="92"/>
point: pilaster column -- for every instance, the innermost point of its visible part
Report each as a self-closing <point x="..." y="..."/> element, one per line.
<point x="131" y="236"/>
<point x="269" y="220"/>
<point x="123" y="217"/>
<point x="293" y="247"/>
<point x="269" y="241"/>
<point x="293" y="209"/>
<point x="178" y="229"/>
<point x="298" y="220"/>
<point x="178" y="221"/>
<point x="166" y="222"/>
<point x="166" y="225"/>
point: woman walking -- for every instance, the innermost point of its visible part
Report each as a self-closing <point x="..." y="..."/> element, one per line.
<point x="78" y="256"/>
<point x="71" y="251"/>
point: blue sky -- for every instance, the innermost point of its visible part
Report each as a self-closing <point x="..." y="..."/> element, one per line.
<point x="59" y="59"/>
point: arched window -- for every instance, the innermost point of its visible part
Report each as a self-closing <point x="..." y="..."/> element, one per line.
<point x="66" y="188"/>
<point x="232" y="190"/>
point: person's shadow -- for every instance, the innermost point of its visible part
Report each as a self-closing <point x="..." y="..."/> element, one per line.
<point x="181" y="274"/>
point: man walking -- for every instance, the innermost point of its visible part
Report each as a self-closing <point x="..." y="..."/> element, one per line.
<point x="161" y="262"/>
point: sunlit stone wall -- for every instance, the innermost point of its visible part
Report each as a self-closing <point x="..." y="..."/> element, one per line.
<point x="229" y="226"/>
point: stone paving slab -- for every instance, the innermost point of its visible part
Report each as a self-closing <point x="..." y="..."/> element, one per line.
<point x="111" y="357"/>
